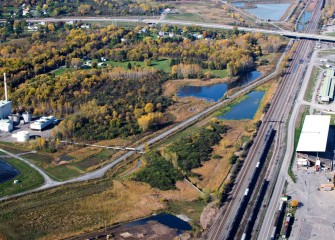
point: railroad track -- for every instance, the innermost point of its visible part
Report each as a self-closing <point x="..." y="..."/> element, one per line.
<point x="284" y="98"/>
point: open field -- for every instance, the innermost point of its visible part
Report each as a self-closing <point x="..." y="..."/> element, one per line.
<point x="57" y="213"/>
<point x="200" y="11"/>
<point x="161" y="64"/>
<point x="28" y="178"/>
<point x="185" y="16"/>
<point x="191" y="209"/>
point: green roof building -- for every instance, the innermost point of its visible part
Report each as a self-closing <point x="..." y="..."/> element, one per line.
<point x="326" y="93"/>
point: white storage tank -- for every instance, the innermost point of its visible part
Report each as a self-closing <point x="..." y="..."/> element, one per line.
<point x="6" y="125"/>
<point x="22" y="136"/>
<point x="16" y="118"/>
<point x="27" y="117"/>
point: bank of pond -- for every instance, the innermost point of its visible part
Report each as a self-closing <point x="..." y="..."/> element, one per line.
<point x="7" y="171"/>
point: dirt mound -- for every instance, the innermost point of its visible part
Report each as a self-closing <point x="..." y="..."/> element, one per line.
<point x="208" y="214"/>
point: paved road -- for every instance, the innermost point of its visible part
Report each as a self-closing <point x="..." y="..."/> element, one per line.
<point x="48" y="182"/>
<point x="186" y="23"/>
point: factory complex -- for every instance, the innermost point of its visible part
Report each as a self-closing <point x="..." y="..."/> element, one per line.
<point x="8" y="120"/>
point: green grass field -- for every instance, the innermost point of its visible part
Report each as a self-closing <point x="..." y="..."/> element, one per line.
<point x="28" y="178"/>
<point x="64" y="172"/>
<point x="311" y="84"/>
<point x="332" y="34"/>
<point x="192" y="209"/>
<point x="184" y="16"/>
<point x="161" y="64"/>
<point x="59" y="71"/>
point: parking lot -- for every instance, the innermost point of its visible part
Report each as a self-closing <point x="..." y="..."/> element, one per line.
<point x="314" y="218"/>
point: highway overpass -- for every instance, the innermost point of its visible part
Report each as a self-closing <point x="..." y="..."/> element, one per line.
<point x="138" y="20"/>
<point x="297" y="35"/>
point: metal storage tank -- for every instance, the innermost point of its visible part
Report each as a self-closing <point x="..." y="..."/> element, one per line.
<point x="16" y="118"/>
<point x="27" y="117"/>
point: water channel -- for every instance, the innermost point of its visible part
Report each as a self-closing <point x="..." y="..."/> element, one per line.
<point x="7" y="171"/>
<point x="217" y="91"/>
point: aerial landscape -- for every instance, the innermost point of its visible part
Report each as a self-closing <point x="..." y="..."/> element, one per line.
<point x="185" y="119"/>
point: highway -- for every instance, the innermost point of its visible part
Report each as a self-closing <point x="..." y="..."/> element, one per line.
<point x="299" y="35"/>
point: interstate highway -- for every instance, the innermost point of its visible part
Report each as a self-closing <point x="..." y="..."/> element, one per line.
<point x="299" y="35"/>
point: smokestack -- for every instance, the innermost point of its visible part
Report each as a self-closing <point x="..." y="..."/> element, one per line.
<point x="6" y="94"/>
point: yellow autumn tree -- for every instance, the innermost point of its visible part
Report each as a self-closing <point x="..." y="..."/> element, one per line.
<point x="147" y="121"/>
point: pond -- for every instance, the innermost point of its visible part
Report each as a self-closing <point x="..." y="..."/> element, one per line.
<point x="165" y="219"/>
<point x="304" y="20"/>
<point x="269" y="11"/>
<point x="238" y="4"/>
<point x="7" y="171"/>
<point x="217" y="91"/>
<point x="245" y="109"/>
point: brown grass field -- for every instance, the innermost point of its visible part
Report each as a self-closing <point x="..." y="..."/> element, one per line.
<point x="75" y="209"/>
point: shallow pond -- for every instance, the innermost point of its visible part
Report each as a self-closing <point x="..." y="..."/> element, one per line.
<point x="217" y="91"/>
<point x="245" y="109"/>
<point x="165" y="219"/>
<point x="304" y="20"/>
<point x="238" y="4"/>
<point x="7" y="171"/>
<point x="269" y="11"/>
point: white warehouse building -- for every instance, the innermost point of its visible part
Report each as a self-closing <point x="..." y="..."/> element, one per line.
<point x="5" y="108"/>
<point x="43" y="122"/>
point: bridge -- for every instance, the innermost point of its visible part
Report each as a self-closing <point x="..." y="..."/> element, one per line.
<point x="290" y="34"/>
<point x="137" y="20"/>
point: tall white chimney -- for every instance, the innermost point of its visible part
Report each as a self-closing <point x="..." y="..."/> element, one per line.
<point x="6" y="94"/>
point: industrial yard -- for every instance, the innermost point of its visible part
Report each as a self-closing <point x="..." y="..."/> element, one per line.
<point x="314" y="217"/>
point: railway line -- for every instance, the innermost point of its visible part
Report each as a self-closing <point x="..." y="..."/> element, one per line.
<point x="229" y="217"/>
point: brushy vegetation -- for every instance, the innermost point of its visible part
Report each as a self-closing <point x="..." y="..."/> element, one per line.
<point x="108" y="101"/>
<point x="196" y="148"/>
<point x="159" y="173"/>
<point x="82" y="8"/>
<point x="180" y="157"/>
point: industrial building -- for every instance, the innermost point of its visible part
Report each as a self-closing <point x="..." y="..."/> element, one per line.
<point x="313" y="140"/>
<point x="5" y="108"/>
<point x="43" y="122"/>
<point x="326" y="93"/>
<point x="6" y="125"/>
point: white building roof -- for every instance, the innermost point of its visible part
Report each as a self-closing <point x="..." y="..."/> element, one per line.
<point x="314" y="134"/>
<point x="4" y="102"/>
